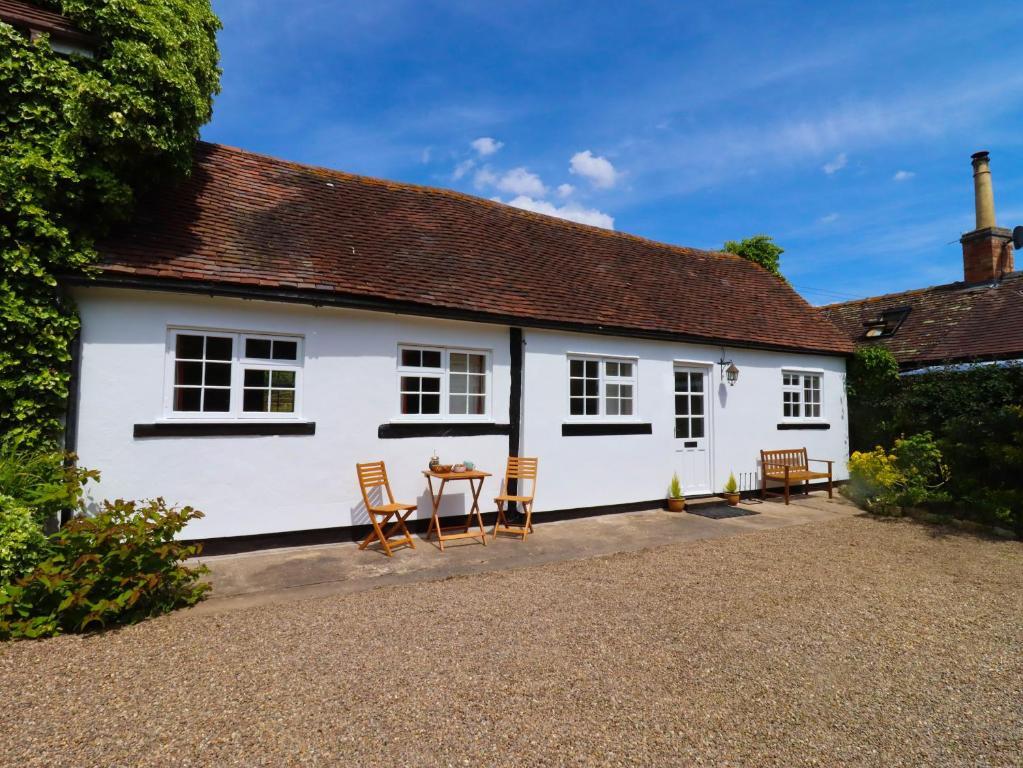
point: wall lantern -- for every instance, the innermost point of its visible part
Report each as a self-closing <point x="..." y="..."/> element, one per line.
<point x="730" y="373"/>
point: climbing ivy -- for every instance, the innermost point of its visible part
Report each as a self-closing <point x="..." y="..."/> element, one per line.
<point x="80" y="138"/>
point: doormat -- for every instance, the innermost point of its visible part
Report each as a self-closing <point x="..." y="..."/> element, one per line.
<point x="720" y="511"/>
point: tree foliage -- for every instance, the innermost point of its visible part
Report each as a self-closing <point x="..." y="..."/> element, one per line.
<point x="760" y="249"/>
<point x="79" y="139"/>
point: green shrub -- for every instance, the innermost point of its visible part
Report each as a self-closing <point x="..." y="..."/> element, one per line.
<point x="22" y="541"/>
<point x="47" y="482"/>
<point x="910" y="475"/>
<point x="975" y="415"/>
<point x="119" y="567"/>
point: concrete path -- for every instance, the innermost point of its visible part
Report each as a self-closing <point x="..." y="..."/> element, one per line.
<point x="282" y="575"/>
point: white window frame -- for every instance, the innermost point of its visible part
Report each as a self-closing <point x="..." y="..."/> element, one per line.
<point x="444" y="374"/>
<point x="603" y="380"/>
<point x="800" y="388"/>
<point x="239" y="363"/>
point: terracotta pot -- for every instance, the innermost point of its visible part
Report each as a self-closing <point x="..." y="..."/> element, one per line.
<point x="676" y="505"/>
<point x="732" y="499"/>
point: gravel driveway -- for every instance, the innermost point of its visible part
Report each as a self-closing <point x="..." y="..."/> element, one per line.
<point x="854" y="642"/>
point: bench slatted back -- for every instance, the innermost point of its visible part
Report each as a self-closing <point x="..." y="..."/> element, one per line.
<point x="793" y="458"/>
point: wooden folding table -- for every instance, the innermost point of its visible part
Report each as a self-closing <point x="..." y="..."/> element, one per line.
<point x="466" y="531"/>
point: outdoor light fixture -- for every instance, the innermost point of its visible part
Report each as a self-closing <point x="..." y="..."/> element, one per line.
<point x="730" y="373"/>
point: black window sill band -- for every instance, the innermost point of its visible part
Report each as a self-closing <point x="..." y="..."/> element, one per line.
<point x="809" y="425"/>
<point x="453" y="429"/>
<point x="224" y="429"/>
<point x="587" y="430"/>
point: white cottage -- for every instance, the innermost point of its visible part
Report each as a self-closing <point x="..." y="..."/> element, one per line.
<point x="260" y="329"/>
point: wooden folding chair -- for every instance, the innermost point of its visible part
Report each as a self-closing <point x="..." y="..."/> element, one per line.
<point x="374" y="475"/>
<point x="520" y="470"/>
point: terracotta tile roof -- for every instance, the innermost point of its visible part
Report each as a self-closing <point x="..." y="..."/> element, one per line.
<point x="246" y="219"/>
<point x="28" y="16"/>
<point x="946" y="323"/>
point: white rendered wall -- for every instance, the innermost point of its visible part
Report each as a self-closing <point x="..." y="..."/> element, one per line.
<point x="248" y="485"/>
<point x="582" y="471"/>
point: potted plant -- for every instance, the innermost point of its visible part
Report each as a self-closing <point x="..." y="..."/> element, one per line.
<point x="731" y="490"/>
<point x="676" y="501"/>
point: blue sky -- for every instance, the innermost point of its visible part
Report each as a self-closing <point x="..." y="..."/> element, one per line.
<point x="842" y="129"/>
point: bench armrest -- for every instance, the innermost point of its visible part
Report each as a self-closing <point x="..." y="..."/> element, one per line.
<point x="829" y="462"/>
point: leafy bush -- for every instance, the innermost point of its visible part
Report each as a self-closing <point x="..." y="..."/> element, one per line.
<point x="975" y="415"/>
<point x="910" y="475"/>
<point x="872" y="378"/>
<point x="22" y="541"/>
<point x="731" y="486"/>
<point x="47" y="482"/>
<point x="119" y="567"/>
<point x="987" y="452"/>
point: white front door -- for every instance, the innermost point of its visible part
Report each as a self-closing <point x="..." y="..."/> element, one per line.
<point x="692" y="430"/>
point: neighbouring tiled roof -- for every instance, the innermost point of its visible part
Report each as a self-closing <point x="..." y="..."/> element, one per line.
<point x="250" y="220"/>
<point x="27" y="16"/>
<point x="946" y="323"/>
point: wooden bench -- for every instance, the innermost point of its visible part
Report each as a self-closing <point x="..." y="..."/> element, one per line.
<point x="790" y="466"/>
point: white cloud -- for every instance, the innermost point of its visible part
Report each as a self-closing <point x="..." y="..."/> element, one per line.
<point x="519" y="181"/>
<point x="486" y="145"/>
<point x="484" y="177"/>
<point x="570" y="211"/>
<point x="834" y="166"/>
<point x="424" y="156"/>
<point x="462" y="168"/>
<point x="564" y="190"/>
<point x="597" y="169"/>
<point x="903" y="175"/>
<point x="830" y="218"/>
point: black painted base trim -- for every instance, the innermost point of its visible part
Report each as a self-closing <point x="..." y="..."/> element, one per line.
<point x="581" y="430"/>
<point x="229" y="545"/>
<point x="466" y="429"/>
<point x="809" y="425"/>
<point x="224" y="429"/>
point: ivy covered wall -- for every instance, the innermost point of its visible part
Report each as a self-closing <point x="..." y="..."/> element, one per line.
<point x="80" y="139"/>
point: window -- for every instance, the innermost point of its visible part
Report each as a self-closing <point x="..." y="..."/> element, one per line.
<point x="233" y="375"/>
<point x="887" y="323"/>
<point x="599" y="387"/>
<point x="690" y="416"/>
<point x="437" y="383"/>
<point x="801" y="395"/>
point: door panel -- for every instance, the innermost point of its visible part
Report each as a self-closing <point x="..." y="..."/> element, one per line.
<point x="692" y="441"/>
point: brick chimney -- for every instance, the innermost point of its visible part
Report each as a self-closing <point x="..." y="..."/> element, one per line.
<point x="987" y="250"/>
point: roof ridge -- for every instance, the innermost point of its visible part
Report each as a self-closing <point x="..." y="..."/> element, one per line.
<point x="474" y="199"/>
<point x="879" y="297"/>
<point x="956" y="285"/>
